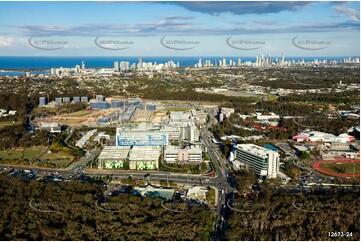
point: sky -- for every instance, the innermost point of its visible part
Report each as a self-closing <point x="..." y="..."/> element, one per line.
<point x="180" y="28"/>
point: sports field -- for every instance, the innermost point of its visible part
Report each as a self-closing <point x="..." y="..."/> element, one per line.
<point x="339" y="168"/>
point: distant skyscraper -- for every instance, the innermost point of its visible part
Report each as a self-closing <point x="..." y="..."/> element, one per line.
<point x="83" y="65"/>
<point x="239" y="62"/>
<point x="200" y="63"/>
<point x="116" y="66"/>
<point x="140" y="62"/>
<point x="283" y="59"/>
<point x="224" y="62"/>
<point x="77" y="69"/>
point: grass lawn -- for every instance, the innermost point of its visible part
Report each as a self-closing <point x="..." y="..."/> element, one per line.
<point x="8" y="123"/>
<point x="57" y="156"/>
<point x="12" y="154"/>
<point x="271" y="98"/>
<point x="60" y="159"/>
<point x="32" y="152"/>
<point x="342" y="168"/>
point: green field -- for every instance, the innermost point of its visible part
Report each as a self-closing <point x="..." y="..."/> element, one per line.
<point x="8" y="123"/>
<point x="342" y="168"/>
<point x="22" y="153"/>
<point x="61" y="159"/>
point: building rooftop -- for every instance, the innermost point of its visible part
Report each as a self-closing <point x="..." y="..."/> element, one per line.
<point x="85" y="138"/>
<point x="255" y="149"/>
<point x="155" y="191"/>
<point x="144" y="153"/>
<point x="114" y="152"/>
<point x="191" y="149"/>
<point x="99" y="136"/>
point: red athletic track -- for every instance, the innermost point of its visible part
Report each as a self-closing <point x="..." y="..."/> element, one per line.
<point x="327" y="171"/>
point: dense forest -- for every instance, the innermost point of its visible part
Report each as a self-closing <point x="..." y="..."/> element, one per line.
<point x="278" y="214"/>
<point x="34" y="210"/>
<point x="281" y="215"/>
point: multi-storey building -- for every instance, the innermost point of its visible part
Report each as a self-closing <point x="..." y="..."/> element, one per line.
<point x="263" y="161"/>
<point x="173" y="154"/>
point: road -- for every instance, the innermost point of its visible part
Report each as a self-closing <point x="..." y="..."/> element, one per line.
<point x="221" y="176"/>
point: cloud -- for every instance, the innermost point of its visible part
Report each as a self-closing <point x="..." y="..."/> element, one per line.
<point x="241" y="8"/>
<point x="5" y="41"/>
<point x="343" y="10"/>
<point x="181" y="25"/>
<point x="167" y="24"/>
<point x="173" y="17"/>
<point x="265" y="22"/>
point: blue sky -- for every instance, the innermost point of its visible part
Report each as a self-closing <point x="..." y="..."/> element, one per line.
<point x="136" y="28"/>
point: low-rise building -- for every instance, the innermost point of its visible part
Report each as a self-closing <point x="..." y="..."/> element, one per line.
<point x="144" y="157"/>
<point x="197" y="193"/>
<point x="80" y="143"/>
<point x="152" y="191"/>
<point x="113" y="157"/>
<point x="50" y="127"/>
<point x="316" y="136"/>
<point x="224" y="113"/>
<point x="172" y="154"/>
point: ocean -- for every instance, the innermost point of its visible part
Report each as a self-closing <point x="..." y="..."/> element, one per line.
<point x="16" y="65"/>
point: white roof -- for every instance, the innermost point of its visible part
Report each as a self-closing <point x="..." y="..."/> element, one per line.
<point x="144" y="153"/>
<point x="255" y="149"/>
<point x="114" y="152"/>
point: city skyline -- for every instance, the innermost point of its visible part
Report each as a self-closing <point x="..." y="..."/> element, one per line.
<point x="179" y="28"/>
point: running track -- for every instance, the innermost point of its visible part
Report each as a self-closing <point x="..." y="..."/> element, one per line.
<point x="327" y="171"/>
